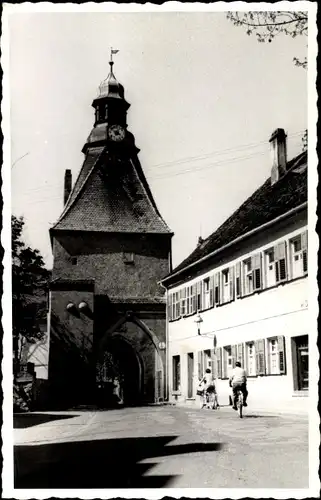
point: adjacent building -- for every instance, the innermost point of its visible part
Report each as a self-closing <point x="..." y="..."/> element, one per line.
<point x="111" y="247"/>
<point x="242" y="294"/>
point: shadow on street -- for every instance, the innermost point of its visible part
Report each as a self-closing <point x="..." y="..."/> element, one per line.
<point x="109" y="463"/>
<point x="24" y="420"/>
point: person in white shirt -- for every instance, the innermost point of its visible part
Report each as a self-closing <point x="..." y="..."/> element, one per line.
<point x="238" y="381"/>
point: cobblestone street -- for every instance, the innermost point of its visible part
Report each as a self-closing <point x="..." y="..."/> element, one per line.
<point x="155" y="447"/>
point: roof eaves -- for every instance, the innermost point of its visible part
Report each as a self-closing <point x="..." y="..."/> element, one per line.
<point x="236" y="240"/>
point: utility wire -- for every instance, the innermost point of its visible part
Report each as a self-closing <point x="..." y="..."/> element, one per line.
<point x="208" y="334"/>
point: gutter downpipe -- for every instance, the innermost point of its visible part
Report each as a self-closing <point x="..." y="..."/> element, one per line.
<point x="166" y="391"/>
<point x="239" y="238"/>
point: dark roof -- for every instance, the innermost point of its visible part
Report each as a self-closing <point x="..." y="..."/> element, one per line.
<point x="265" y="204"/>
<point x="111" y="197"/>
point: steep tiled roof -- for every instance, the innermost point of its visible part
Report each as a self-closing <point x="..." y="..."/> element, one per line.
<point x="111" y="197"/>
<point x="265" y="204"/>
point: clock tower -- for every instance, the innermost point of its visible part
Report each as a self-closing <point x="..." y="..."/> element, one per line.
<point x="111" y="248"/>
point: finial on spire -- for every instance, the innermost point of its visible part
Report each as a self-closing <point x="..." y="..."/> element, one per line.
<point x="112" y="51"/>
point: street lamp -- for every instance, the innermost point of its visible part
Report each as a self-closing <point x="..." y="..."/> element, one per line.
<point x="198" y="321"/>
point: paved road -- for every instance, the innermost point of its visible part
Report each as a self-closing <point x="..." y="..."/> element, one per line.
<point x="155" y="447"/>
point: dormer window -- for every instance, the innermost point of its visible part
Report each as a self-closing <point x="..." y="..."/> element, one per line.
<point x="128" y="257"/>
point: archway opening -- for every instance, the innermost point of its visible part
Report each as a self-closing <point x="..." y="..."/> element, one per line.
<point x="123" y="368"/>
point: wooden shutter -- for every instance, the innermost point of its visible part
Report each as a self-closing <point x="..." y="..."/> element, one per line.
<point x="213" y="367"/>
<point x="240" y="354"/>
<point x="234" y="354"/>
<point x="200" y="364"/>
<point x="219" y="362"/>
<point x="260" y="357"/>
<point x="281" y="354"/>
<point x="169" y="307"/>
<point x="256" y="271"/>
<point x="224" y="363"/>
<point x="280" y="257"/>
<point x="217" y="288"/>
<point x="238" y="292"/>
<point x="194" y="298"/>
<point x="198" y="296"/>
<point x="232" y="282"/>
<point x="212" y="290"/>
<point x="304" y="245"/>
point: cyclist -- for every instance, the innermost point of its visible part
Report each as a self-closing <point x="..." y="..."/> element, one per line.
<point x="208" y="385"/>
<point x="238" y="381"/>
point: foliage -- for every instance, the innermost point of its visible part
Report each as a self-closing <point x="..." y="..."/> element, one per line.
<point x="266" y="25"/>
<point x="305" y="141"/>
<point x="29" y="284"/>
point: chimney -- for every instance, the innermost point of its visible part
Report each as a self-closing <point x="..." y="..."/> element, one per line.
<point x="278" y="154"/>
<point x="67" y="186"/>
<point x="200" y="241"/>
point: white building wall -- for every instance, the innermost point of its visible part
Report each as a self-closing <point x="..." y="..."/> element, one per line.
<point x="281" y="310"/>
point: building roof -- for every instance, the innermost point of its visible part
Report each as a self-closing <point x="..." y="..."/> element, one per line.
<point x="266" y="204"/>
<point x="111" y="196"/>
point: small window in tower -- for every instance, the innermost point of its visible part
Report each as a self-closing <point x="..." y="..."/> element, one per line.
<point x="128" y="257"/>
<point x="106" y="111"/>
<point x="74" y="261"/>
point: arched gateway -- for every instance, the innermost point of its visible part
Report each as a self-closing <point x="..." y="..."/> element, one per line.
<point x="130" y="365"/>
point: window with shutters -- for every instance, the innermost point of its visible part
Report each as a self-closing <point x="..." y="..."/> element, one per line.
<point x="275" y="265"/>
<point x="176" y="306"/>
<point x="188" y="300"/>
<point x="248" y="276"/>
<point x="194" y="297"/>
<point x="176" y="373"/>
<point x="250" y="359"/>
<point x="199" y="296"/>
<point x="206" y="294"/>
<point x="276" y="355"/>
<point x="298" y="255"/>
<point x="208" y="360"/>
<point x="238" y="292"/>
<point x="226" y="285"/>
<point x="227" y="361"/>
<point x="183" y="301"/>
<point x="217" y="294"/>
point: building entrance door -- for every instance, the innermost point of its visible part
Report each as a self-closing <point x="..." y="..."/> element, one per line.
<point x="190" y="373"/>
<point x="303" y="362"/>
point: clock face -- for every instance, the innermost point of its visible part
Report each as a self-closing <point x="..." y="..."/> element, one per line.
<point x="116" y="133"/>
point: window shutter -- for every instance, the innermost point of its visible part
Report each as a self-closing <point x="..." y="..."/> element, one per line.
<point x="224" y="363"/>
<point x="281" y="351"/>
<point x="238" y="280"/>
<point x="260" y="357"/>
<point x="170" y="301"/>
<point x="234" y="354"/>
<point x="217" y="288"/>
<point x="212" y="290"/>
<point x="200" y="364"/>
<point x="212" y="355"/>
<point x="219" y="362"/>
<point x="198" y="296"/>
<point x="240" y="354"/>
<point x="282" y="261"/>
<point x="194" y="298"/>
<point x="201" y="294"/>
<point x="256" y="273"/>
<point x="304" y="245"/>
<point x="232" y="282"/>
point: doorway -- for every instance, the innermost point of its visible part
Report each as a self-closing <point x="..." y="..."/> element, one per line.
<point x="190" y="374"/>
<point x="302" y="347"/>
<point x="125" y="367"/>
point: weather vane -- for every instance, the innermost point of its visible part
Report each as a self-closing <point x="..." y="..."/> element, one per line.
<point x="112" y="51"/>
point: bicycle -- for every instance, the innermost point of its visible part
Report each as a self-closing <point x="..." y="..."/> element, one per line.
<point x="209" y="400"/>
<point x="239" y="402"/>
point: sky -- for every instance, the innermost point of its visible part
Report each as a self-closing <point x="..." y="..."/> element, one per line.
<point x="205" y="99"/>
